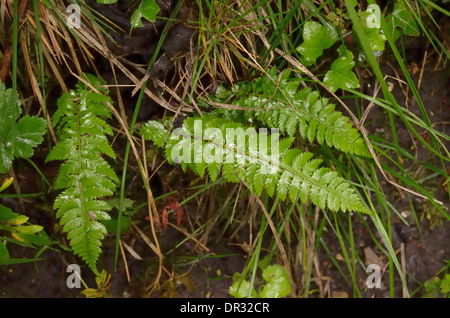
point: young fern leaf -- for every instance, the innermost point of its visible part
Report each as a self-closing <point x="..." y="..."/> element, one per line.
<point x="263" y="162"/>
<point x="85" y="176"/>
<point x="277" y="102"/>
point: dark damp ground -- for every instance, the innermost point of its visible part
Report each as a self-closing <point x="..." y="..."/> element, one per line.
<point x="202" y="273"/>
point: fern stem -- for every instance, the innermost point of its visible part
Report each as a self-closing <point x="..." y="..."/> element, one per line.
<point x="78" y="182"/>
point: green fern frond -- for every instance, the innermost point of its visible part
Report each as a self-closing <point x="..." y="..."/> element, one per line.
<point x="85" y="176"/>
<point x="203" y="145"/>
<point x="277" y="101"/>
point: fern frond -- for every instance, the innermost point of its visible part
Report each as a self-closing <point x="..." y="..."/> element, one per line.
<point x="278" y="102"/>
<point x="277" y="169"/>
<point x="85" y="176"/>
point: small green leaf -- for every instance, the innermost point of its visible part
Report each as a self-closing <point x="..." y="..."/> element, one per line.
<point x="445" y="285"/>
<point x="6" y="215"/>
<point x="38" y="239"/>
<point x="241" y="287"/>
<point x="4" y="254"/>
<point x="277" y="280"/>
<point x="29" y="131"/>
<point x="16" y="139"/>
<point x="135" y="19"/>
<point x="264" y="263"/>
<point x="6" y="183"/>
<point x="154" y="131"/>
<point x="340" y="75"/>
<point x="127" y="203"/>
<point x="148" y="10"/>
<point x="28" y="229"/>
<point x="316" y="38"/>
<point x="111" y="225"/>
<point x="20" y="219"/>
<point x="432" y="287"/>
<point x="403" y="19"/>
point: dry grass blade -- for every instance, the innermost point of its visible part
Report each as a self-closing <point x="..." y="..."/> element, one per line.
<point x="35" y="86"/>
<point x="189" y="236"/>
<point x="7" y="53"/>
<point x="124" y="261"/>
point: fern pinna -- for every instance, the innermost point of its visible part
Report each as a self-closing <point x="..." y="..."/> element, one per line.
<point x="277" y="101"/>
<point x="85" y="176"/>
<point x="292" y="173"/>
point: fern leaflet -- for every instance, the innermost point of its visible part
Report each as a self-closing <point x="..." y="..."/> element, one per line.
<point x="85" y="176"/>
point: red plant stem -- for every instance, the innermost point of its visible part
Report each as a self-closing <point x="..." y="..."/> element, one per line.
<point x="7" y="54"/>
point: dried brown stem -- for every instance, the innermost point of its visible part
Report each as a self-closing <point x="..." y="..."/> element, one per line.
<point x="7" y="54"/>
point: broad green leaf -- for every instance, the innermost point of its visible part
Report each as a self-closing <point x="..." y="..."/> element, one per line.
<point x="148" y="10"/>
<point x="277" y="280"/>
<point x="316" y="38"/>
<point x="340" y="75"/>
